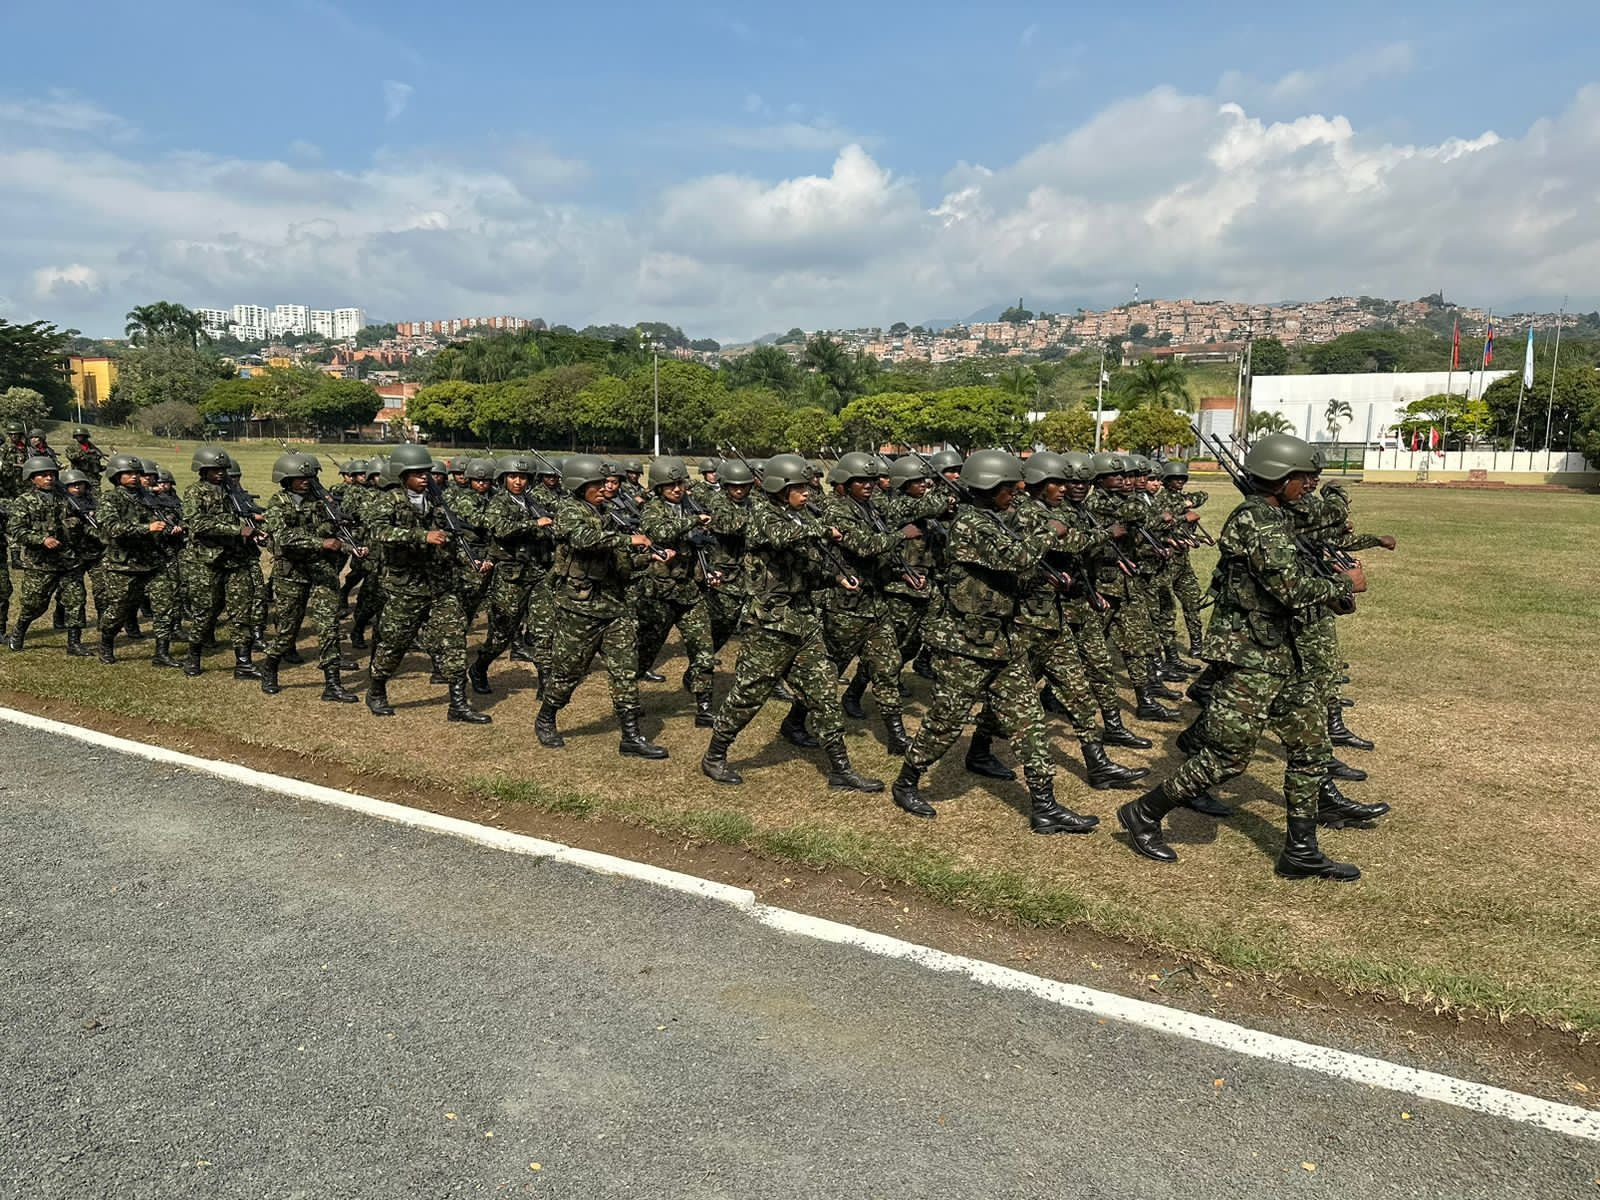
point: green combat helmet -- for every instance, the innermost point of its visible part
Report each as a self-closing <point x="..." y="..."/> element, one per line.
<point x="1108" y="464"/>
<point x="710" y="466"/>
<point x="80" y="434"/>
<point x="580" y="470"/>
<point x="479" y="468"/>
<point x="1279" y="455"/>
<point x="515" y="464"/>
<point x="123" y="464"/>
<point x="733" y="473"/>
<point x="39" y="464"/>
<point x="668" y="470"/>
<point x="149" y="466"/>
<point x="15" y="428"/>
<point x="1135" y="464"/>
<point x="208" y="458"/>
<point x="70" y="477"/>
<point x="289" y="466"/>
<point x="1079" y="467"/>
<point x="784" y="471"/>
<point x="166" y="476"/>
<point x="855" y="465"/>
<point x="1043" y="466"/>
<point x="1175" y="469"/>
<point x="407" y="458"/>
<point x="946" y="460"/>
<point x="988" y="469"/>
<point x="909" y="468"/>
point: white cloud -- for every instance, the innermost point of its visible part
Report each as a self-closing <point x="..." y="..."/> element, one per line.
<point x="60" y="112"/>
<point x="1190" y="195"/>
<point x="1315" y="84"/>
<point x="396" y="96"/>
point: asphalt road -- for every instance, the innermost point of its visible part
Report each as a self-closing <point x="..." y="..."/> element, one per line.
<point x="212" y="991"/>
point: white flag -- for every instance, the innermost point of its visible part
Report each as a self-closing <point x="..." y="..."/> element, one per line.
<point x="1527" y="361"/>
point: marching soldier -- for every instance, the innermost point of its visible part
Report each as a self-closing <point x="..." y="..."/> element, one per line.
<point x="221" y="560"/>
<point x="521" y="546"/>
<point x="671" y="592"/>
<point x="39" y="526"/>
<point x="133" y="533"/>
<point x="85" y="456"/>
<point x="730" y="517"/>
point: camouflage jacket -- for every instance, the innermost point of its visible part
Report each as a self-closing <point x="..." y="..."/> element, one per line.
<point x="214" y="539"/>
<point x="411" y="566"/>
<point x="1115" y="507"/>
<point x="1262" y="586"/>
<point x="988" y="553"/>
<point x="296" y="526"/>
<point x="471" y="510"/>
<point x="87" y="459"/>
<point x="729" y="521"/>
<point x="1089" y="542"/>
<point x="125" y="522"/>
<point x="784" y="568"/>
<point x="517" y="542"/>
<point x="870" y="549"/>
<point x="670" y="527"/>
<point x="594" y="561"/>
<point x="931" y="514"/>
<point x="1335" y="503"/>
<point x="36" y="515"/>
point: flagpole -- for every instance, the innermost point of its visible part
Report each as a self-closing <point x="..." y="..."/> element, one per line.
<point x="1099" y="396"/>
<point x="1522" y="386"/>
<point x="1550" y="410"/>
<point x="1449" y="383"/>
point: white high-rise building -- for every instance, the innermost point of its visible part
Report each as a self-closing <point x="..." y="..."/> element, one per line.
<point x="291" y="318"/>
<point x="251" y="323"/>
<point x="322" y="322"/>
<point x="347" y="321"/>
<point x="216" y="320"/>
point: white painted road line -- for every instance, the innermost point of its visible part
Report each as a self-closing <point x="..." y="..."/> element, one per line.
<point x="1355" y="1068"/>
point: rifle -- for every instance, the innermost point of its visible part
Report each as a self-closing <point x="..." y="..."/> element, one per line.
<point x="246" y="509"/>
<point x="831" y="557"/>
<point x="167" y="507"/>
<point x="1325" y="560"/>
<point x="701" y="539"/>
<point x="82" y="507"/>
<point x="452" y="526"/>
<point x="344" y="529"/>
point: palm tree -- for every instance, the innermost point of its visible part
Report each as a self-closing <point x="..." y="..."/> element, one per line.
<point x="1337" y="415"/>
<point x="1156" y="384"/>
<point x="164" y="321"/>
<point x="1019" y="380"/>
<point x="1263" y="423"/>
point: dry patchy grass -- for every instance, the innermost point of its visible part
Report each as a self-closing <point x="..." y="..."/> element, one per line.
<point x="1470" y="658"/>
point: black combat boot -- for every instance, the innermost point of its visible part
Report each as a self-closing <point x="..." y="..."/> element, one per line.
<point x="1188" y="742"/>
<point x="460" y="707"/>
<point x="981" y="759"/>
<point x="1105" y="774"/>
<point x="841" y="774"/>
<point x="258" y="639"/>
<point x="243" y="668"/>
<point x="108" y="647"/>
<point x="191" y="660"/>
<point x="1200" y="690"/>
<point x="922" y="664"/>
<point x="436" y="675"/>
<point x="1151" y="709"/>
<point x="269" y="675"/>
<point x="634" y="744"/>
<point x="1344" y="771"/>
<point x="522" y="652"/>
<point x="1157" y="688"/>
<point x="1302" y="859"/>
<point x="333" y="690"/>
<point x="1142" y="819"/>
<point x="1336" y="810"/>
<point x="646" y="675"/>
<point x="1048" y="702"/>
<point x="293" y="657"/>
<point x="714" y="763"/>
<point x="1118" y="734"/>
<point x="906" y="796"/>
<point x="702" y="710"/>
<point x="851" y="700"/>
<point x="161" y="658"/>
<point x="1339" y="735"/>
<point x="58" y="619"/>
<point x="1047" y="816"/>
<point x="76" y="648"/>
<point x="793" y="729"/>
<point x="1208" y="805"/>
<point x="478" y="674"/>
<point x="544" y="727"/>
<point x="132" y="631"/>
<point x="358" y="635"/>
<point x="1346" y="702"/>
<point x="378" y="698"/>
<point x="1175" y="667"/>
<point x="18" y="635"/>
<point x="894" y="733"/>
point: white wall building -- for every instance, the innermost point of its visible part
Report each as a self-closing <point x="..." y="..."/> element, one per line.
<point x="1375" y="399"/>
<point x="251" y="323"/>
<point x="346" y="321"/>
<point x="216" y="320"/>
<point x="291" y="318"/>
<point x="322" y="322"/>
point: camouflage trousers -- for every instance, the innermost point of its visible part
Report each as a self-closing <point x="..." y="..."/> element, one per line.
<point x="119" y="598"/>
<point x="725" y="609"/>
<point x="510" y="589"/>
<point x="434" y="621"/>
<point x="1244" y="705"/>
<point x="165" y="592"/>
<point x="1095" y="654"/>
<point x="475" y="589"/>
<point x="869" y="634"/>
<point x="369" y="600"/>
<point x="292" y="601"/>
<point x="224" y="587"/>
<point x="1178" y="588"/>
<point x="1133" y="633"/>
<point x="1318" y="647"/>
<point x="657" y="616"/>
<point x="539" y="629"/>
<point x="767" y="655"/>
<point x="577" y="636"/>
<point x="5" y="585"/>
<point x="38" y="586"/>
<point x="1012" y="705"/>
<point x="1053" y="657"/>
<point x="905" y="617"/>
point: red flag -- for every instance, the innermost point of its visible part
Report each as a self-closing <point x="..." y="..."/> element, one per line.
<point x="1455" y="345"/>
<point x="1488" y="347"/>
<point x="1433" y="437"/>
<point x="1416" y="441"/>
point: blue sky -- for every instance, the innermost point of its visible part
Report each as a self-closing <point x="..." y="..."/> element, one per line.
<point x="736" y="169"/>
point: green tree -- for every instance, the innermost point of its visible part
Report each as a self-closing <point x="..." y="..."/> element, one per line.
<point x="884" y="418"/>
<point x="1263" y="423"/>
<point x="371" y="335"/>
<point x="828" y="359"/>
<point x="898" y="328"/>
<point x="1269" y="356"/>
<point x="754" y="419"/>
<point x="1146" y="430"/>
<point x="1460" y="421"/>
<point x="810" y="429"/>
<point x="1016" y="314"/>
<point x="1154" y="384"/>
<point x="604" y="412"/>
<point x="1065" y="429"/>
<point x="764" y="367"/>
<point x="559" y="409"/>
<point x="1336" y="416"/>
<point x="164" y="321"/>
<point x="172" y="419"/>
<point x="1576" y="390"/>
<point x="1019" y="381"/>
<point x="690" y="393"/>
<point x="34" y="356"/>
<point x="969" y="418"/>
<point x="337" y="404"/>
<point x="24" y="405"/>
<point x="232" y="400"/>
<point x="164" y="368"/>
<point x="444" y="410"/>
<point x="795" y="337"/>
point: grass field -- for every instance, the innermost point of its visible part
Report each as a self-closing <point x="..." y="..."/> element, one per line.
<point x="1472" y="658"/>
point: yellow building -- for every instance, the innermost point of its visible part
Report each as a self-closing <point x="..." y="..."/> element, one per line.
<point x="92" y="377"/>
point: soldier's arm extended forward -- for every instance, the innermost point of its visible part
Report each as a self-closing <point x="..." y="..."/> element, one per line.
<point x="582" y="534"/>
<point x="1276" y="563"/>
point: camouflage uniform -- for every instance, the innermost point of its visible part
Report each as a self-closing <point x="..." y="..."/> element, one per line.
<point x="471" y="509"/>
<point x="906" y="606"/>
<point x="857" y="622"/>
<point x="589" y="583"/>
<point x="671" y="594"/>
<point x="783" y="636"/>
<point x="88" y="460"/>
<point x="521" y="550"/>
<point x="539" y="629"/>
<point x="364" y="506"/>
<point x="221" y="569"/>
<point x="133" y="556"/>
<point x="5" y="572"/>
<point x="1178" y="585"/>
<point x="1086" y="619"/>
<point x="421" y="599"/>
<point x="87" y="552"/>
<point x="305" y="575"/>
<point x="1130" y="626"/>
<point x="35" y="516"/>
<point x="1265" y="595"/>
<point x="726" y="601"/>
<point x="165" y="587"/>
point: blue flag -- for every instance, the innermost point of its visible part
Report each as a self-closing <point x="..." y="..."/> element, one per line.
<point x="1527" y="361"/>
